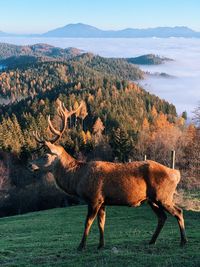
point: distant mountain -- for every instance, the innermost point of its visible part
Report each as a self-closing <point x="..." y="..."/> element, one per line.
<point x="75" y="30"/>
<point x="2" y="34"/>
<point x="161" y="32"/>
<point x="80" y="30"/>
<point x="87" y="31"/>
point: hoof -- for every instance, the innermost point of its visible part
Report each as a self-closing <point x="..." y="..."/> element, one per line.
<point x="100" y="247"/>
<point x="183" y="243"/>
<point x="81" y="248"/>
<point x="152" y="242"/>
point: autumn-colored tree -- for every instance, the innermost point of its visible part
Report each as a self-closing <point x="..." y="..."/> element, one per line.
<point x="82" y="113"/>
<point x="145" y="125"/>
<point x="83" y="137"/>
<point x="154" y="112"/>
<point x="88" y="136"/>
<point x="98" y="129"/>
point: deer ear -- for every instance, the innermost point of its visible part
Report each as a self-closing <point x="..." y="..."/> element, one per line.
<point x="53" y="148"/>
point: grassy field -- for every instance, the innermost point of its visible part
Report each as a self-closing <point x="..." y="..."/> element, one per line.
<point x="50" y="238"/>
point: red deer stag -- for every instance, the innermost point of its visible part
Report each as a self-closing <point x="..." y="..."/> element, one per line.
<point x="101" y="183"/>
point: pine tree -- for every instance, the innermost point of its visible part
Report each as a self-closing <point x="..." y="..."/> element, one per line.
<point x="120" y="144"/>
<point x="11" y="136"/>
<point x="184" y="115"/>
<point x="17" y="136"/>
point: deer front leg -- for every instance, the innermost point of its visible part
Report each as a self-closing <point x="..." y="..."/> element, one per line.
<point x="101" y="223"/>
<point x="92" y="213"/>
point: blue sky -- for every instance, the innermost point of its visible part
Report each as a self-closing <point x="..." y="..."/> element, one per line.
<point x="37" y="16"/>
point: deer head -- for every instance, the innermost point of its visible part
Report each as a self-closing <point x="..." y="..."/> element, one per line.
<point x="55" y="152"/>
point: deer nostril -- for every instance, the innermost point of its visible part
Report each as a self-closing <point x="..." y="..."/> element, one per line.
<point x="32" y="167"/>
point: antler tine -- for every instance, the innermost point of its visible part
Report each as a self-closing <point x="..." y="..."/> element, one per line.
<point x="59" y="112"/>
<point x="39" y="140"/>
<point x="61" y="106"/>
<point x="60" y="132"/>
<point x="62" y="109"/>
<point x="37" y="137"/>
<point x="52" y="129"/>
<point x="66" y="112"/>
<point x="74" y="111"/>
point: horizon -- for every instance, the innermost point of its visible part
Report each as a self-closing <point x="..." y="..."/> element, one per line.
<point x="37" y="17"/>
<point x="81" y="23"/>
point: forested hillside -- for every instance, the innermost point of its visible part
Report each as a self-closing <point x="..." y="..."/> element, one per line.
<point x="33" y="90"/>
<point x="37" y="50"/>
<point x="149" y="59"/>
<point x="92" y="71"/>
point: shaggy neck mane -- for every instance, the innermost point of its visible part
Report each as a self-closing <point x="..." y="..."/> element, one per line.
<point x="67" y="161"/>
<point x="65" y="173"/>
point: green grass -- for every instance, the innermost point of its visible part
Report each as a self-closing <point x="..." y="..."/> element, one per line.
<point x="50" y="238"/>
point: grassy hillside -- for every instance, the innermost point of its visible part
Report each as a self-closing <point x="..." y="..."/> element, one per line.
<point x="50" y="238"/>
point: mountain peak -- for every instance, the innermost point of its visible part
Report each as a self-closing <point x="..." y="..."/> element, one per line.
<point x="75" y="30"/>
<point x="2" y="34"/>
<point x="82" y="25"/>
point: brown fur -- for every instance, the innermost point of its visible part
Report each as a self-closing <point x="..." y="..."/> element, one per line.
<point x="101" y="183"/>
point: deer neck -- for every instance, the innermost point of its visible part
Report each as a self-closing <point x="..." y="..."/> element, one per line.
<point x="66" y="160"/>
<point x="65" y="173"/>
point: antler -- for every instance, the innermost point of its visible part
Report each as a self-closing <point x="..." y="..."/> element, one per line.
<point x="64" y="114"/>
<point x="37" y="137"/>
<point x="62" y="109"/>
<point x="39" y="140"/>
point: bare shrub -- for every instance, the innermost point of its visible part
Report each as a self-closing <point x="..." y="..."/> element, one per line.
<point x="188" y="201"/>
<point x="4" y="176"/>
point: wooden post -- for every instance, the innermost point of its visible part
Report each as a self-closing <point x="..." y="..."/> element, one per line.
<point x="173" y="155"/>
<point x="145" y="157"/>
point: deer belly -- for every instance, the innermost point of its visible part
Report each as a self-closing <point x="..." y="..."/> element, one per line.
<point x="121" y="202"/>
<point x="125" y="196"/>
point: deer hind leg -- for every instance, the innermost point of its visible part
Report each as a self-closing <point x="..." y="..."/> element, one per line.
<point x="101" y="223"/>
<point x="159" y="211"/>
<point x="91" y="215"/>
<point x="178" y="214"/>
